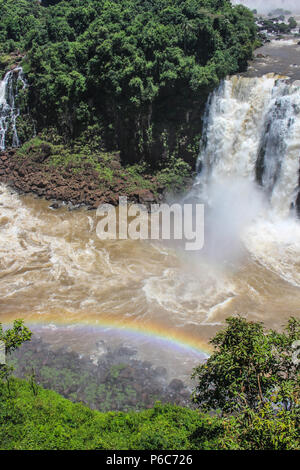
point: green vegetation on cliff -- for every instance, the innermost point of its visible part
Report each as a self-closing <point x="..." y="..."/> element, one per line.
<point x="137" y="71"/>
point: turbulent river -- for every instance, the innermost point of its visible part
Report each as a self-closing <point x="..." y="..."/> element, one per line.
<point x="75" y="289"/>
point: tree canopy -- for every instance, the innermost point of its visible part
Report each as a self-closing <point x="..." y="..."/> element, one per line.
<point x="133" y="67"/>
<point x="250" y="368"/>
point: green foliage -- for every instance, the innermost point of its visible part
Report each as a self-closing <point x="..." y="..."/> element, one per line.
<point x="15" y="336"/>
<point x="34" y="419"/>
<point x="263" y="430"/>
<point x="132" y="67"/>
<point x="250" y="368"/>
<point x="174" y="175"/>
<point x="255" y="375"/>
<point x="292" y="22"/>
<point x="49" y="150"/>
<point x="274" y="25"/>
<point x="12" y="338"/>
<point x="47" y="421"/>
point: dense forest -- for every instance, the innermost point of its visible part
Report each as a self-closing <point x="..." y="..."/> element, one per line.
<point x="132" y="75"/>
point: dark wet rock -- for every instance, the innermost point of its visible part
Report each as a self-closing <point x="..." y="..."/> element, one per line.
<point x="117" y="382"/>
<point x="146" y="364"/>
<point x="55" y="205"/>
<point x="125" y="351"/>
<point x="34" y="175"/>
<point x="44" y="153"/>
<point x="176" y="385"/>
<point x="145" y="196"/>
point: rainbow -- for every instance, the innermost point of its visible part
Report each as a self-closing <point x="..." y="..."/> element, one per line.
<point x="172" y="337"/>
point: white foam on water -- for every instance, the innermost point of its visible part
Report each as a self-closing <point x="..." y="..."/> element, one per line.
<point x="251" y="120"/>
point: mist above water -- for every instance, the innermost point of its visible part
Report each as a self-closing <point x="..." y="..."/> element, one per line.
<point x="268" y="5"/>
<point x="234" y="204"/>
<point x="248" y="179"/>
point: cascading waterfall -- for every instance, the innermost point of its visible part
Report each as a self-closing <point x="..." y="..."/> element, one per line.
<point x="252" y="132"/>
<point x="248" y="173"/>
<point x="9" y="112"/>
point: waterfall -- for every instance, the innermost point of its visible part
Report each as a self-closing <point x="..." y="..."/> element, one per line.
<point x="9" y="112"/>
<point x="252" y="132"/>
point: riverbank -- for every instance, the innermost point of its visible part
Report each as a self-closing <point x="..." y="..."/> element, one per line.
<point x="85" y="178"/>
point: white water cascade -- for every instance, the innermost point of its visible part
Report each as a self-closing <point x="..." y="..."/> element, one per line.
<point x="252" y="133"/>
<point x="9" y="112"/>
<point x="248" y="173"/>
